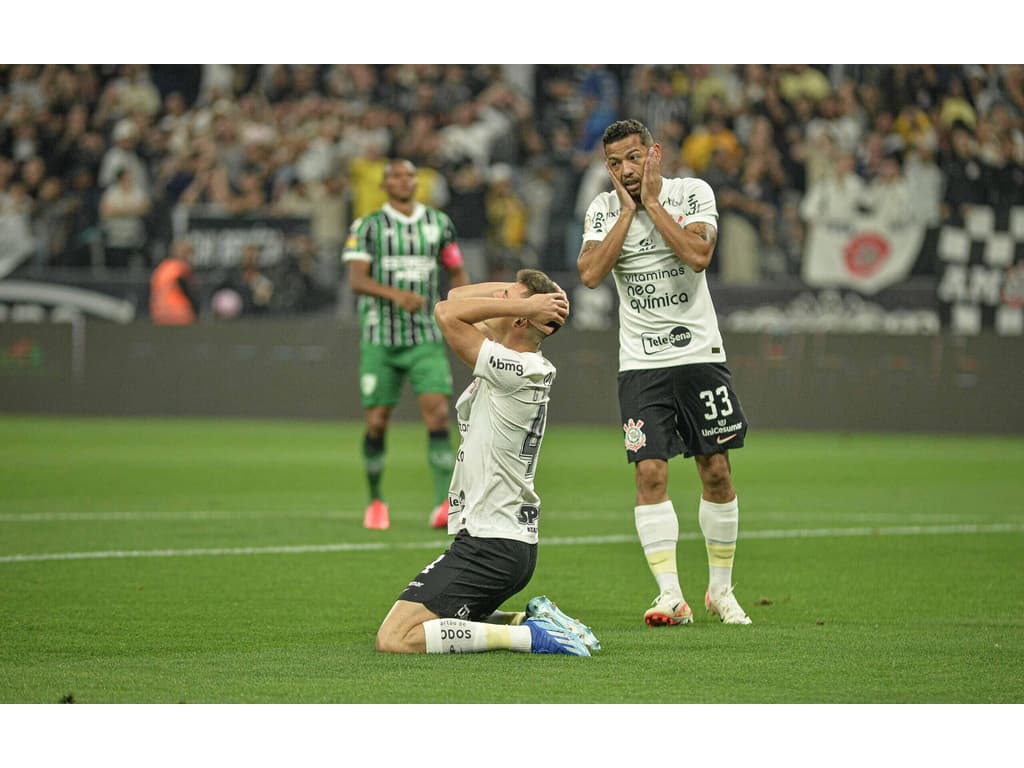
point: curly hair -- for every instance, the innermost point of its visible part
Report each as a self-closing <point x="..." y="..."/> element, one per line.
<point x="621" y="129"/>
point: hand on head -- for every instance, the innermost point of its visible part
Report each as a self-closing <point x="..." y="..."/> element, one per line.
<point x="549" y="311"/>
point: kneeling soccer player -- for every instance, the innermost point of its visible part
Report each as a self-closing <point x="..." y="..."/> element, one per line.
<point x="452" y="604"/>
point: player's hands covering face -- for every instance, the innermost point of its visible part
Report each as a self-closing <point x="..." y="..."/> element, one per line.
<point x="650" y="185"/>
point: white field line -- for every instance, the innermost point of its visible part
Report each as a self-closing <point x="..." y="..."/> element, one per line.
<point x="796" y="533"/>
<point x="50" y="517"/>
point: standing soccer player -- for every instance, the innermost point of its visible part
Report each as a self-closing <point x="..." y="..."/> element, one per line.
<point x="452" y="605"/>
<point x="394" y="256"/>
<point x="656" y="236"/>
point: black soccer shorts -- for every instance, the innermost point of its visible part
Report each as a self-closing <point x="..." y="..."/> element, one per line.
<point x="473" y="577"/>
<point x="688" y="409"/>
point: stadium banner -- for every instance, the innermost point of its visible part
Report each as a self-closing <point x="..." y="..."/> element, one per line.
<point x="867" y="255"/>
<point x="981" y="272"/>
<point x="220" y="240"/>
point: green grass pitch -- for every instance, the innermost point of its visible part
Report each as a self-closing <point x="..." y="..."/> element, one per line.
<point x="166" y="561"/>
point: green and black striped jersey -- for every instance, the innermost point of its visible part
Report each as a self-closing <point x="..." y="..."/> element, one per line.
<point x="406" y="252"/>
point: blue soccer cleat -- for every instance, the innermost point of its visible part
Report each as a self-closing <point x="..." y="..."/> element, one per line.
<point x="548" y="637"/>
<point x="542" y="606"/>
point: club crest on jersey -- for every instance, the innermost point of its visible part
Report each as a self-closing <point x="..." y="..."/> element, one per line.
<point x="635" y="437"/>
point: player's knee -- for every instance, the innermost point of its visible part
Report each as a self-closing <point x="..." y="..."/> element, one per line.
<point x="716" y="477"/>
<point x="388" y="642"/>
<point x="435" y="413"/>
<point x="651" y="480"/>
<point x="376" y="423"/>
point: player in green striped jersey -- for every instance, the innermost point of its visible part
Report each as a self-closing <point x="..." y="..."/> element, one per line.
<point x="394" y="257"/>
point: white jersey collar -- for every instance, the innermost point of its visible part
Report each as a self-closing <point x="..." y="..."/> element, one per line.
<point x="417" y="211"/>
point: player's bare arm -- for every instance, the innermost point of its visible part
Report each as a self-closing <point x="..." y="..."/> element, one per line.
<point x="362" y="283"/>
<point x="693" y="244"/>
<point x="467" y="290"/>
<point x="458" y="318"/>
<point x="457" y="276"/>
<point x="598" y="257"/>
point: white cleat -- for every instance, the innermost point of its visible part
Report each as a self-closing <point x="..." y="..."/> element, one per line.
<point x="723" y="605"/>
<point x="668" y="610"/>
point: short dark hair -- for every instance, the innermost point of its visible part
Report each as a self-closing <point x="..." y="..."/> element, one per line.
<point x="538" y="282"/>
<point x="622" y="129"/>
<point x="395" y="161"/>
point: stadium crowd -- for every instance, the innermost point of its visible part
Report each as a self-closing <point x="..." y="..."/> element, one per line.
<point x="98" y="161"/>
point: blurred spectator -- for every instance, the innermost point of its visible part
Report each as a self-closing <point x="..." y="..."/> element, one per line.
<point x="250" y="282"/>
<point x="130" y="94"/>
<point x="914" y="126"/>
<point x="963" y="174"/>
<point x="802" y="81"/>
<point x="955" y="108"/>
<point x="123" y="155"/>
<point x="887" y="194"/>
<point x="53" y="222"/>
<point x="1013" y="86"/>
<point x="924" y="183"/>
<point x="296" y="286"/>
<point x="65" y="155"/>
<point x="15" y="219"/>
<point x="329" y="216"/>
<point x="599" y="99"/>
<point x="507" y="246"/>
<point x="537" y="193"/>
<point x="835" y="199"/>
<point x="704" y="139"/>
<point x="651" y="97"/>
<point x="173" y="292"/>
<point x="123" y="210"/>
<point x="748" y="200"/>
<point x="478" y="125"/>
<point x="468" y="211"/>
<point x="712" y="88"/>
<point x="85" y="237"/>
<point x="249" y="197"/>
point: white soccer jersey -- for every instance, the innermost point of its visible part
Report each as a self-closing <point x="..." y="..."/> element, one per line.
<point x="501" y="416"/>
<point x="666" y="315"/>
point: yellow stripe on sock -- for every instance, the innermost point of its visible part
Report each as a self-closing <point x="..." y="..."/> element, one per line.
<point x="497" y="636"/>
<point x="663" y="561"/>
<point x="721" y="555"/>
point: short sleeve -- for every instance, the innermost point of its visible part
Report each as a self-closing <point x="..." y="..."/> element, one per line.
<point x="501" y="367"/>
<point x="700" y="203"/>
<point x="354" y="249"/>
<point x="596" y="223"/>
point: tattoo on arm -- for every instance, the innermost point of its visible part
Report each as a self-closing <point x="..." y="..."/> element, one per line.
<point x="707" y="234"/>
<point x="589" y="245"/>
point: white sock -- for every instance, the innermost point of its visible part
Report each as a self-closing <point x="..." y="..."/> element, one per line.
<point x="458" y="636"/>
<point x="658" y="529"/>
<point x="720" y="524"/>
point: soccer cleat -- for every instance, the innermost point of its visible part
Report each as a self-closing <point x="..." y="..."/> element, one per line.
<point x="439" y="517"/>
<point x="724" y="606"/>
<point x="668" y="610"/>
<point x="547" y="637"/>
<point x="542" y="606"/>
<point x="376" y="515"/>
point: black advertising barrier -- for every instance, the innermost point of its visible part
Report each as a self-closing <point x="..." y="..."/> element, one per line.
<point x="308" y="369"/>
<point x="220" y="240"/>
